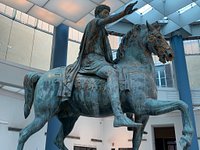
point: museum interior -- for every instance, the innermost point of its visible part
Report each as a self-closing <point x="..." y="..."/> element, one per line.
<point x="39" y="35"/>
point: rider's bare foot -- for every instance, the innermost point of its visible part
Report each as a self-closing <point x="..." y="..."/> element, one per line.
<point x="122" y="120"/>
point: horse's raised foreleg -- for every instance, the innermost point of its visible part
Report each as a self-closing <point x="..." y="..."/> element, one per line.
<point x="67" y="125"/>
<point x="32" y="128"/>
<point x="138" y="132"/>
<point x="158" y="107"/>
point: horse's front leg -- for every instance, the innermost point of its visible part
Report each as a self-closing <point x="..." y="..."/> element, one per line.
<point x="158" y="107"/>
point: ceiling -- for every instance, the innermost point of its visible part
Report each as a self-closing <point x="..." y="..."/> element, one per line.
<point x="182" y="16"/>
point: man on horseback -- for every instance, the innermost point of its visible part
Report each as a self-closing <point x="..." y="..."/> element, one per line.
<point x="95" y="58"/>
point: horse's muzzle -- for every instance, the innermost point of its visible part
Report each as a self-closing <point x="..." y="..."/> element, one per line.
<point x="169" y="55"/>
<point x="166" y="56"/>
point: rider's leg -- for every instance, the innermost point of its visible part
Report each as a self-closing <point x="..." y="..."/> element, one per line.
<point x="109" y="73"/>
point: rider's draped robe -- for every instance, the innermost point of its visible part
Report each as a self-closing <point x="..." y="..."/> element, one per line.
<point x="95" y="52"/>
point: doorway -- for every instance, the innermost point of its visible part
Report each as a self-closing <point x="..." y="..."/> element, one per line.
<point x="165" y="138"/>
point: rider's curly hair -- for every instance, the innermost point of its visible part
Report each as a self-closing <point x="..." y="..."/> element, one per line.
<point x="100" y="8"/>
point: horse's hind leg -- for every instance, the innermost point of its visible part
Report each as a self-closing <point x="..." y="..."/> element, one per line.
<point x="33" y="127"/>
<point x="67" y="125"/>
<point x="138" y="132"/>
<point x="157" y="107"/>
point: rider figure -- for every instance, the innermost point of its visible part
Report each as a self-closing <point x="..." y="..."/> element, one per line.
<point x="96" y="58"/>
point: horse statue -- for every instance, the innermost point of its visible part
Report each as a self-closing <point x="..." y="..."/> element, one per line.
<point x="138" y="93"/>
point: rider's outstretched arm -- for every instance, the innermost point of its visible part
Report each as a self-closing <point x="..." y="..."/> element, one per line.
<point x="128" y="10"/>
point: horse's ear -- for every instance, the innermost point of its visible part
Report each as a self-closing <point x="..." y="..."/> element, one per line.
<point x="150" y="28"/>
<point x="156" y="25"/>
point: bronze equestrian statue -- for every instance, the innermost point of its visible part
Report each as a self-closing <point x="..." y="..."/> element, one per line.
<point x="89" y="95"/>
<point x="95" y="58"/>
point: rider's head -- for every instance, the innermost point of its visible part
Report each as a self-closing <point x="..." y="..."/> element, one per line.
<point x="102" y="11"/>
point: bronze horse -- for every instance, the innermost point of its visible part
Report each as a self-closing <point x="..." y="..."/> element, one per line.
<point x="138" y="91"/>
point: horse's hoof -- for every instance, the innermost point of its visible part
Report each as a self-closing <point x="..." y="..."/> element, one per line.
<point x="185" y="142"/>
<point x="125" y="121"/>
<point x="182" y="142"/>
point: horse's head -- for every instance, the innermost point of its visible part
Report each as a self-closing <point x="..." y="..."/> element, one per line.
<point x="157" y="44"/>
<point x="145" y="38"/>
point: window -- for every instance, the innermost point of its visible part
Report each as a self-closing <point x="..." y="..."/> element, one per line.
<point x="75" y="35"/>
<point x="114" y="41"/>
<point x="25" y="19"/>
<point x="192" y="47"/>
<point x="18" y="15"/>
<point x="51" y="28"/>
<point x="2" y="8"/>
<point x="9" y="11"/>
<point x="145" y="9"/>
<point x="163" y="76"/>
<point x="72" y="51"/>
<point x="44" y="26"/>
<point x="32" y="21"/>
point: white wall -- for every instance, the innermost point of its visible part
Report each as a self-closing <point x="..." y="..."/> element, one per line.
<point x="193" y="66"/>
<point x="13" y="74"/>
<point x="115" y="137"/>
<point x="24" y="45"/>
<point x="87" y="128"/>
<point x="11" y="112"/>
<point x="72" y="52"/>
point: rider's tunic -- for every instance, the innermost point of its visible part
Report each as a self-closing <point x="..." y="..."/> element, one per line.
<point x="95" y="52"/>
<point x="96" y="48"/>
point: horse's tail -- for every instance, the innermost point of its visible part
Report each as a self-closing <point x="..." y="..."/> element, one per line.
<point x="30" y="81"/>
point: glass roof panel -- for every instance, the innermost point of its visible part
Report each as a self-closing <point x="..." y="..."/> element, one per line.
<point x="186" y="8"/>
<point x="145" y="9"/>
<point x="10" y="88"/>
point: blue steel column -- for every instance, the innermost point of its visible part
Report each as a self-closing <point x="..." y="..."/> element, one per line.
<point x="183" y="81"/>
<point x="59" y="58"/>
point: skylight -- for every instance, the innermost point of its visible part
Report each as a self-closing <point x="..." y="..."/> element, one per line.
<point x="184" y="9"/>
<point x="145" y="9"/>
<point x="10" y="88"/>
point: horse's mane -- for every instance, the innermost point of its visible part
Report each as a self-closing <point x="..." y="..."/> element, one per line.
<point x="130" y="36"/>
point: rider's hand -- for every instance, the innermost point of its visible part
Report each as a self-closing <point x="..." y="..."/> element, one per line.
<point x="129" y="9"/>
